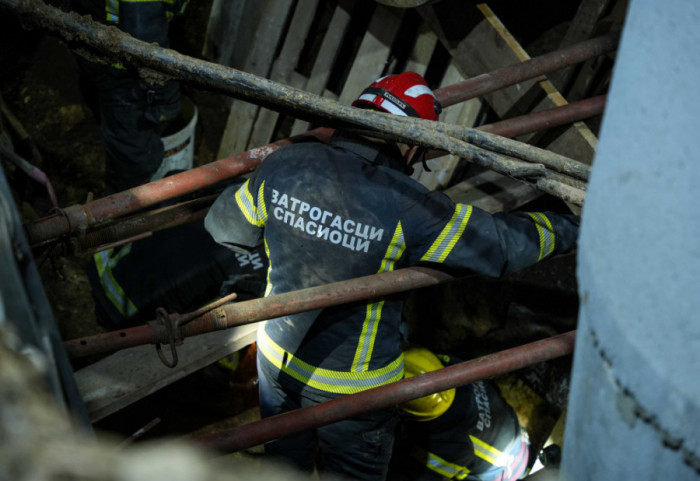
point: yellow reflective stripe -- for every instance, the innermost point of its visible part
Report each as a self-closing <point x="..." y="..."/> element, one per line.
<point x="370" y="326"/>
<point x="450" y="234"/>
<point x="246" y="203"/>
<point x="105" y="262"/>
<point x="262" y="207"/>
<point x="338" y="382"/>
<point x="268" y="287"/>
<point x="546" y="234"/>
<point x="394" y="251"/>
<point x="365" y="346"/>
<point x="439" y="465"/>
<point x="490" y="454"/>
<point x="112" y="11"/>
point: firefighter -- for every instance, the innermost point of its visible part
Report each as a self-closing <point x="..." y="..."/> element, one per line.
<point x="330" y="212"/>
<point x="467" y="433"/>
<point x="132" y="111"/>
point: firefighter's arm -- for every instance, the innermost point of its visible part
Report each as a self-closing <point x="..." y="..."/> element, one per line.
<point x="461" y="236"/>
<point x="234" y="219"/>
<point x="502" y="243"/>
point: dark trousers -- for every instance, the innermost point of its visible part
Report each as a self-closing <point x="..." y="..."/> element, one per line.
<point x="132" y="117"/>
<point x="355" y="448"/>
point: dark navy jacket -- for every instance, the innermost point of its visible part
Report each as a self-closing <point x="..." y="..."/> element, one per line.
<point x="331" y="212"/>
<point x="478" y="438"/>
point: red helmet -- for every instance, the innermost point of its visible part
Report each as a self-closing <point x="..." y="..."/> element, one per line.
<point x="403" y="94"/>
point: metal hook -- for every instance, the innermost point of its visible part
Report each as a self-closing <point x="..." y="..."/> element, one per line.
<point x="163" y="318"/>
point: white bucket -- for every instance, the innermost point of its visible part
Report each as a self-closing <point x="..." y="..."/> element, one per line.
<point x="179" y="147"/>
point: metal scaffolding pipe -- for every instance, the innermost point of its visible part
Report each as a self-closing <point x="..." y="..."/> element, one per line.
<point x="128" y="228"/>
<point x="267" y="93"/>
<point x="254" y="310"/>
<point x="529" y="69"/>
<point x="311" y="417"/>
<point x="80" y="217"/>
<point x="114" y="233"/>
<point x="546" y="119"/>
<point x="231" y="82"/>
<point x="122" y="203"/>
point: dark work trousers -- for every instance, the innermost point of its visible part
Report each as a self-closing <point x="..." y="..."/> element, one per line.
<point x="355" y="448"/>
<point x="132" y="118"/>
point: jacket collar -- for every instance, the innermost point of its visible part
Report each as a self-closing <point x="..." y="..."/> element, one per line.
<point x="373" y="153"/>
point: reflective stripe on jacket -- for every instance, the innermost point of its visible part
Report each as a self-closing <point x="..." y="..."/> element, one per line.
<point x="331" y="212"/>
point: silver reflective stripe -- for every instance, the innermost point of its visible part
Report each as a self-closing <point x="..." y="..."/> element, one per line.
<point x="439" y="465"/>
<point x="369" y="333"/>
<point x="545" y="232"/>
<point x="112" y="11"/>
<point x="246" y="204"/>
<point x="105" y="262"/>
<point x="365" y="347"/>
<point x="450" y="234"/>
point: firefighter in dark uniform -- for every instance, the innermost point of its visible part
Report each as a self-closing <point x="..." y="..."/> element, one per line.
<point x="468" y="433"/>
<point x="330" y="212"/>
<point x="132" y="111"/>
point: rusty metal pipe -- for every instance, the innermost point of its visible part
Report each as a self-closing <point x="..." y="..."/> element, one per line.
<point x="529" y="69"/>
<point x="383" y="397"/>
<point x="122" y="203"/>
<point x="152" y="221"/>
<point x="246" y="312"/>
<point x="546" y="119"/>
<point x="82" y="216"/>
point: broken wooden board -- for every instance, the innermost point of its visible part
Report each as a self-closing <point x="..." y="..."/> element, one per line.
<point x="130" y="375"/>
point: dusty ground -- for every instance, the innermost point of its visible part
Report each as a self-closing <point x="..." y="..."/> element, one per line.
<point x="39" y="84"/>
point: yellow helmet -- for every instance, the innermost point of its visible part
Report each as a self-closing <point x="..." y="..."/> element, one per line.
<point x="419" y="360"/>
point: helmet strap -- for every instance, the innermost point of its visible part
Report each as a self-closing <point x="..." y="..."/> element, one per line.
<point x="414" y="155"/>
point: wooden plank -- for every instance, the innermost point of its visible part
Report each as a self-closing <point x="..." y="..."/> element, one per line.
<point x="321" y="70"/>
<point x="283" y="68"/>
<point x="259" y="62"/>
<point x="224" y="37"/>
<point x="582" y="27"/>
<point x="373" y="53"/>
<point x="492" y="191"/>
<point x="489" y="46"/>
<point x="422" y="51"/>
<point x="127" y="376"/>
<point x="590" y="70"/>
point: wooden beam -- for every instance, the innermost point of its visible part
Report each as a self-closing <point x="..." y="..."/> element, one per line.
<point x="130" y="375"/>
<point x="492" y="191"/>
<point x="283" y="69"/>
<point x="582" y="28"/>
<point x="422" y="51"/>
<point x="373" y="53"/>
<point x="259" y="62"/>
<point x="321" y="70"/>
<point x="489" y="46"/>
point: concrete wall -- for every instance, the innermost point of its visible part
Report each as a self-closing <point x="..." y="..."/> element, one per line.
<point x="634" y="408"/>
